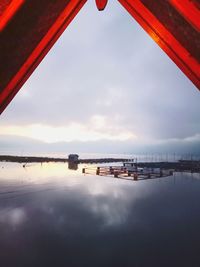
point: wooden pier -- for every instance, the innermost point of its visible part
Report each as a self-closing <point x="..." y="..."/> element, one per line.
<point x="122" y="172"/>
<point x="134" y="170"/>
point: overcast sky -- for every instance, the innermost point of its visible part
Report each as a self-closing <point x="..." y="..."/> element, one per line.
<point x="105" y="79"/>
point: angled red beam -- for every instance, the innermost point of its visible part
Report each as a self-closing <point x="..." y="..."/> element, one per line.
<point x="174" y="26"/>
<point x="189" y="10"/>
<point x="10" y="11"/>
<point x="28" y="30"/>
<point x="3" y="6"/>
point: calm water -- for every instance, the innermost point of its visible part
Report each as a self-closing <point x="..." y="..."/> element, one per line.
<point x="52" y="216"/>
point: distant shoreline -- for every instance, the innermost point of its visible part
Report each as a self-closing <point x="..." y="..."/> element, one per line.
<point x="181" y="165"/>
<point x="31" y="159"/>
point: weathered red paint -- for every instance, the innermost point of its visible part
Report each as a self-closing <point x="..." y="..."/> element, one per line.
<point x="26" y="39"/>
<point x="10" y="11"/>
<point x="189" y="10"/>
<point x="28" y="30"/>
<point x="173" y="28"/>
<point x="101" y="4"/>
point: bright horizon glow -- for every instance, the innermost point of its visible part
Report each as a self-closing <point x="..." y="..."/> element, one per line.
<point x="69" y="133"/>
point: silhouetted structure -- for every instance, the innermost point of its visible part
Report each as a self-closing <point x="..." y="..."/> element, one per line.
<point x="73" y="166"/>
<point x="73" y="158"/>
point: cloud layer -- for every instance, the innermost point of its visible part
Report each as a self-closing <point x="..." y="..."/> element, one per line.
<point x="106" y="67"/>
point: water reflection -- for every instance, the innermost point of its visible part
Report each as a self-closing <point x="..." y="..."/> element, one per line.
<point x="73" y="166"/>
<point x="52" y="216"/>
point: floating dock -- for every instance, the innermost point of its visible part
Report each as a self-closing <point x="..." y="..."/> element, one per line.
<point x="133" y="170"/>
<point x="129" y="171"/>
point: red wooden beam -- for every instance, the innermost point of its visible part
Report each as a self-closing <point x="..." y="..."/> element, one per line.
<point x="174" y="25"/>
<point x="28" y="30"/>
<point x="9" y="12"/>
<point x="189" y="10"/>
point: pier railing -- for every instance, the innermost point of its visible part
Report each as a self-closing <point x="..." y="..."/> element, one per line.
<point x="126" y="173"/>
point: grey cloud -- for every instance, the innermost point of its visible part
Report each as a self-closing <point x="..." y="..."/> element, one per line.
<point x="27" y="146"/>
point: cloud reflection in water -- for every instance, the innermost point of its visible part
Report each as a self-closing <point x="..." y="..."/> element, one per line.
<point x="96" y="221"/>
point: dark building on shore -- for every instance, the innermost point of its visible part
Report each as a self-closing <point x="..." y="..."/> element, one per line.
<point x="73" y="157"/>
